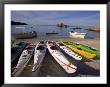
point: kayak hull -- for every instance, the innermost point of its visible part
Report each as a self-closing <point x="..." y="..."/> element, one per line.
<point x="87" y="48"/>
<point x="62" y="60"/>
<point x="39" y="56"/>
<point x="79" y="51"/>
<point x="23" y="60"/>
<point x="70" y="52"/>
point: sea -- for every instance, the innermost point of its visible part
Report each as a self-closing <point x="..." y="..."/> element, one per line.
<point x="62" y="32"/>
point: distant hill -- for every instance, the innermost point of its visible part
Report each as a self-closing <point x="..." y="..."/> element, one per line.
<point x="17" y="23"/>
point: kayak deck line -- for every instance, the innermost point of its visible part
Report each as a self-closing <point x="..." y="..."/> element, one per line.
<point x="66" y="64"/>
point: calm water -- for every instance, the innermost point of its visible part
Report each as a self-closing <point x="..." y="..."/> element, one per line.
<point x="62" y="32"/>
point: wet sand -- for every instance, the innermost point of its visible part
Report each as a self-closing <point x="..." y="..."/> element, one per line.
<point x="50" y="68"/>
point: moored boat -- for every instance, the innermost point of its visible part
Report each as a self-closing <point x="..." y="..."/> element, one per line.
<point x="53" y="32"/>
<point x="76" y="27"/>
<point x="69" y="51"/>
<point x="95" y="30"/>
<point x="39" y="55"/>
<point x="25" y="35"/>
<point x="19" y="27"/>
<point x="24" y="59"/>
<point x="87" y="48"/>
<point x="77" y="34"/>
<point x="80" y="51"/>
<point x="60" y="58"/>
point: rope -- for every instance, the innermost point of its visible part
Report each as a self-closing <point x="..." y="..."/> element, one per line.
<point x="66" y="64"/>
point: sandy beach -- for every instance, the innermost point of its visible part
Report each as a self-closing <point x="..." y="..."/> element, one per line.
<point x="50" y="68"/>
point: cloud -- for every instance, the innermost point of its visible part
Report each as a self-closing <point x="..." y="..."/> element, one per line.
<point x="54" y="17"/>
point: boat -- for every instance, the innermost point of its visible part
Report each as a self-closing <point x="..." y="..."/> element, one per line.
<point x="77" y="35"/>
<point x="49" y="33"/>
<point x="80" y="51"/>
<point x="60" y="58"/>
<point x="24" y="59"/>
<point x="17" y="50"/>
<point x="19" y="27"/>
<point x="69" y="51"/>
<point x="25" y="35"/>
<point x="76" y="27"/>
<point x="87" y="48"/>
<point x="39" y="54"/>
<point x="95" y="30"/>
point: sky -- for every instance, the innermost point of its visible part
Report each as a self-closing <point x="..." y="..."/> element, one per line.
<point x="82" y="18"/>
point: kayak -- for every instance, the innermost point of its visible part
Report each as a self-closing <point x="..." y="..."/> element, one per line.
<point x="39" y="55"/>
<point x="87" y="48"/>
<point x="69" y="51"/>
<point x="24" y="59"/>
<point x="60" y="58"/>
<point x="17" y="50"/>
<point x="80" y="51"/>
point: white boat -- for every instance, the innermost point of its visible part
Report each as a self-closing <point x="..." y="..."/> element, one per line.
<point x="20" y="27"/>
<point x="24" y="59"/>
<point x="39" y="55"/>
<point x="60" y="58"/>
<point x="77" y="35"/>
<point x="69" y="51"/>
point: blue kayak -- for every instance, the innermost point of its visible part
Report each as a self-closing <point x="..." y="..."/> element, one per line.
<point x="17" y="50"/>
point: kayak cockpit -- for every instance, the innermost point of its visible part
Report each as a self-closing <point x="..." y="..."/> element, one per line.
<point x="61" y="44"/>
<point x="27" y="48"/>
<point x="41" y="42"/>
<point x="53" y="48"/>
<point x="40" y="48"/>
<point x="51" y="42"/>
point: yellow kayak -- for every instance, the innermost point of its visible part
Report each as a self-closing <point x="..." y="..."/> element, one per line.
<point x="81" y="52"/>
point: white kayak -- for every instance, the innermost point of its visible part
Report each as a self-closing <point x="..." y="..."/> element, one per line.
<point x="60" y="58"/>
<point x="39" y="55"/>
<point x="69" y="51"/>
<point x="24" y="59"/>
